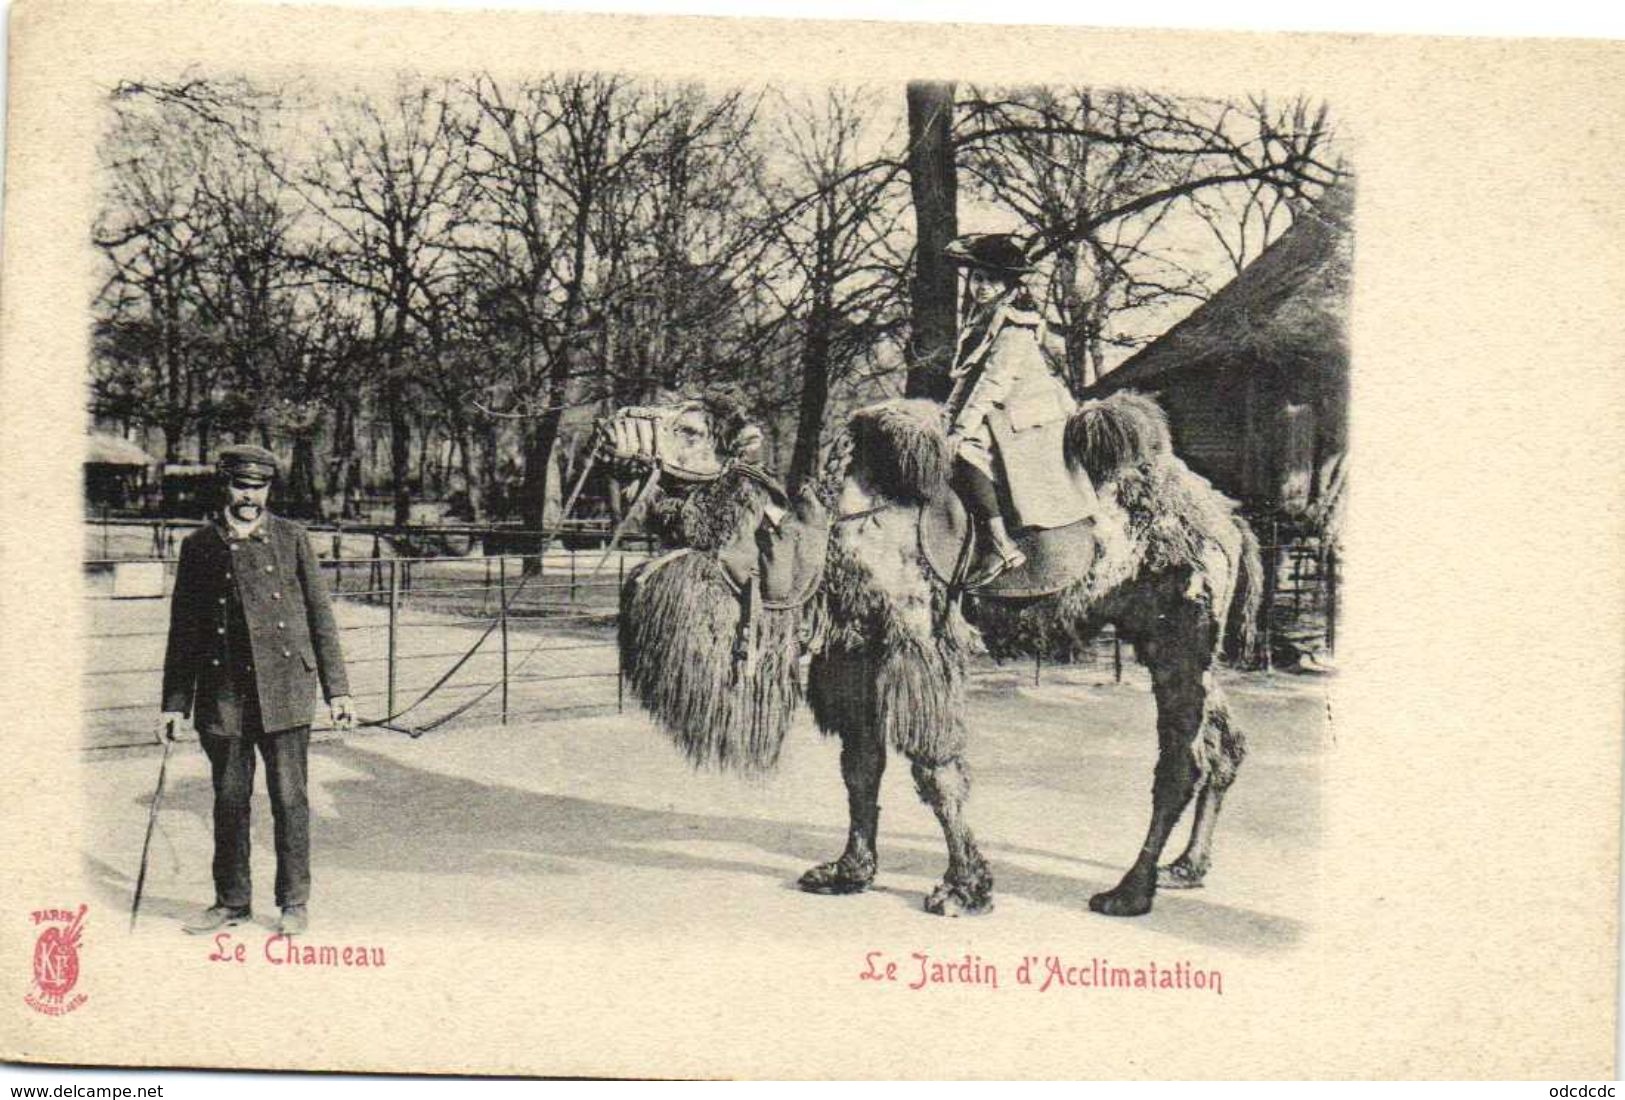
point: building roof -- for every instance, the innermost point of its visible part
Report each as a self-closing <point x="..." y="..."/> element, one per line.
<point x="105" y="449"/>
<point x="1288" y="308"/>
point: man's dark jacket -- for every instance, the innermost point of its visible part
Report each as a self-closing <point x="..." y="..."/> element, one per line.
<point x="269" y="588"/>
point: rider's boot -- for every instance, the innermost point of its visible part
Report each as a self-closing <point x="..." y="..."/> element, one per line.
<point x="999" y="554"/>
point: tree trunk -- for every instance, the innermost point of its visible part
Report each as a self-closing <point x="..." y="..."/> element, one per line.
<point x="815" y="362"/>
<point x="426" y="489"/>
<point x="491" y="472"/>
<point x="304" y="499"/>
<point x="814" y="401"/>
<point x="344" y="478"/>
<point x="539" y="446"/>
<point x="533" y="490"/>
<point x="399" y="411"/>
<point x="465" y="467"/>
<point x="400" y="453"/>
<point x="932" y="181"/>
<point x="1075" y="333"/>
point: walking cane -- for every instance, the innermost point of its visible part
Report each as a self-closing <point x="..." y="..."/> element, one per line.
<point x="152" y="819"/>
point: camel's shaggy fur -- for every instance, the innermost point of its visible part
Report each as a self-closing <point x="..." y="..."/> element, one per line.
<point x="901" y="450"/>
<point x="679" y="622"/>
<point x="896" y="666"/>
<point x="1174" y="563"/>
<point x="1124" y="430"/>
<point x="711" y="514"/>
<point x="679" y="626"/>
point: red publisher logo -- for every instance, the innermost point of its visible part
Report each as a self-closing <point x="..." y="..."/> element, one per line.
<point x="56" y="961"/>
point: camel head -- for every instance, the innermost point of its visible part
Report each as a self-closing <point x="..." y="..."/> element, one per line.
<point x="710" y="633"/>
<point x="691" y="440"/>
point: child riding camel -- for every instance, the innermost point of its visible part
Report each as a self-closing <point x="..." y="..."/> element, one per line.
<point x="999" y="371"/>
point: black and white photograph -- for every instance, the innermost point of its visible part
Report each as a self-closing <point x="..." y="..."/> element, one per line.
<point x="777" y="561"/>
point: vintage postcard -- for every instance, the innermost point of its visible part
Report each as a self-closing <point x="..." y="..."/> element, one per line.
<point x="671" y="547"/>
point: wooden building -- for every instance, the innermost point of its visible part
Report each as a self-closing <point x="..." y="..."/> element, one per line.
<point x="1256" y="379"/>
<point x="117" y="472"/>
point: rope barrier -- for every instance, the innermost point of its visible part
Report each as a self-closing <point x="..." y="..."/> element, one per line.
<point x="456" y="712"/>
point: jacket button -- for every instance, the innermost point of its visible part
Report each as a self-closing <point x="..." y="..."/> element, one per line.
<point x="287" y="653"/>
<point x="235" y="547"/>
<point x="228" y="574"/>
<point x="270" y="569"/>
<point x="219" y="630"/>
<point x="276" y="595"/>
<point x="222" y="601"/>
<point x="280" y="625"/>
<point x="215" y="661"/>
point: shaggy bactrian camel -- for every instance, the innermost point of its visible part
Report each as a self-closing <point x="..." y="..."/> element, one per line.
<point x="712" y="633"/>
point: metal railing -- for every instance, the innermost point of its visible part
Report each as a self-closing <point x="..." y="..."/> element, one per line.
<point x="525" y="636"/>
<point x="406" y="620"/>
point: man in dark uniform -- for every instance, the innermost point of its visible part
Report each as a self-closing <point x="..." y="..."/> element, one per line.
<point x="250" y="635"/>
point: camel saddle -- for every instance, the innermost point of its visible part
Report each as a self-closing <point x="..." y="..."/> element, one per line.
<point x="780" y="562"/>
<point x="1056" y="556"/>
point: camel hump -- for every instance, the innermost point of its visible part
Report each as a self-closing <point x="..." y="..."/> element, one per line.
<point x="901" y="450"/>
<point x="1123" y="431"/>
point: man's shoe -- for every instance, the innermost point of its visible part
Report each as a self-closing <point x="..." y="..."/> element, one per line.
<point x="294" y="920"/>
<point x="217" y="917"/>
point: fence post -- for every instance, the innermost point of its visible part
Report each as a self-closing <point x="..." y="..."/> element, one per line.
<point x="106" y="533"/>
<point x="1331" y="600"/>
<point x="620" y="666"/>
<point x="1038" y="666"/>
<point x="502" y="615"/>
<point x="1117" y="657"/>
<point x="572" y="578"/>
<point x="1272" y="570"/>
<point x="394" y="606"/>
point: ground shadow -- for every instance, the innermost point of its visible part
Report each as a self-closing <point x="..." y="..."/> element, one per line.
<point x="392" y="818"/>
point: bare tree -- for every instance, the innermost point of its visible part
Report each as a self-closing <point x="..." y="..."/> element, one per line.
<point x="934" y="185"/>
<point x="1096" y="176"/>
<point x="151" y="230"/>
<point x="836" y="207"/>
<point x="390" y="189"/>
<point x="604" y="243"/>
<point x="547" y="151"/>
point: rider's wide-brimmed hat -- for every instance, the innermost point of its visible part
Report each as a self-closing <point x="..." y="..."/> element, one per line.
<point x="999" y="253"/>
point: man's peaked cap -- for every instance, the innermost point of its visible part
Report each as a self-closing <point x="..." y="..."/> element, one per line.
<point x="246" y="462"/>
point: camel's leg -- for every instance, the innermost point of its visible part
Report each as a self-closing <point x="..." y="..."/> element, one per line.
<point x="1225" y="748"/>
<point x="967" y="888"/>
<point x="1188" y="871"/>
<point x="863" y="761"/>
<point x="1179" y="682"/>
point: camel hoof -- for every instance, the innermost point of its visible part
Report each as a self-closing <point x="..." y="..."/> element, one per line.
<point x="1122" y="902"/>
<point x="841" y="876"/>
<point x="954" y="900"/>
<point x="1181" y="874"/>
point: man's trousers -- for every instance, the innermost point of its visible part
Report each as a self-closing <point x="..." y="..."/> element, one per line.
<point x="231" y="760"/>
